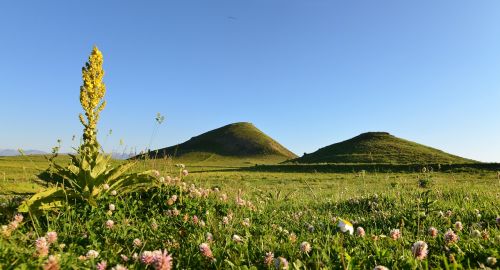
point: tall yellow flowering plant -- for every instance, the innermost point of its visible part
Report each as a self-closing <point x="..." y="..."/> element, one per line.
<point x="89" y="174"/>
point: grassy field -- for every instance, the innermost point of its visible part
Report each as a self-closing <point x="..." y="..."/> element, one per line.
<point x="265" y="212"/>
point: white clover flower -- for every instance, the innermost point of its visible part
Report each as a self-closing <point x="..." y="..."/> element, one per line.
<point x="92" y="254"/>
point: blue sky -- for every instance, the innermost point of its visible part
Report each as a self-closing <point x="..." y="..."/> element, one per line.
<point x="308" y="73"/>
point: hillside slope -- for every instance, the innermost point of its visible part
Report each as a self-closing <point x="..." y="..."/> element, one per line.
<point x="379" y="147"/>
<point x="238" y="140"/>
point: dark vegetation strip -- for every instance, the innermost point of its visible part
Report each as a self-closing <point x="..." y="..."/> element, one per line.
<point x="382" y="168"/>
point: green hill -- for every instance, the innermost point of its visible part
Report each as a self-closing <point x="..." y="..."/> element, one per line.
<point x="379" y="147"/>
<point x="242" y="141"/>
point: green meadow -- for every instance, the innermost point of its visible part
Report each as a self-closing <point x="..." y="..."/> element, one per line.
<point x="286" y="210"/>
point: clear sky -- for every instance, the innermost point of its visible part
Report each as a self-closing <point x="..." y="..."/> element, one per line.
<point x="308" y="73"/>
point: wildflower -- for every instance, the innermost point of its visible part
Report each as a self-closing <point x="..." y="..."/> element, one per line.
<point x="13" y="225"/>
<point x="206" y="251"/>
<point x="458" y="226"/>
<point x="202" y="223"/>
<point x="42" y="246"/>
<point x="51" y="237"/>
<point x="185" y="172"/>
<point x="268" y="259"/>
<point x="419" y="250"/>
<point x="52" y="263"/>
<point x="310" y="228"/>
<point x="209" y="237"/>
<point x="175" y="212"/>
<point x="225" y="220"/>
<point x="156" y="173"/>
<point x="305" y="247"/>
<point x="154" y="226"/>
<point x="114" y="193"/>
<point x="124" y="257"/>
<point x="110" y="223"/>
<point x="380" y="267"/>
<point x="395" y="234"/>
<point x="18" y="218"/>
<point x="62" y="246"/>
<point x="360" y="231"/>
<point x="162" y="180"/>
<point x="163" y="261"/>
<point x="292" y="237"/>
<point x="433" y="232"/>
<point x="119" y="267"/>
<point x="281" y="263"/>
<point x="450" y="237"/>
<point x="195" y="219"/>
<point x="237" y="238"/>
<point x="105" y="186"/>
<point x="6" y="231"/>
<point x="345" y="226"/>
<point x="246" y="222"/>
<point x="148" y="257"/>
<point x="485" y="235"/>
<point x="223" y="197"/>
<point x="491" y="261"/>
<point x="135" y="256"/>
<point x="475" y="233"/>
<point x="137" y="242"/>
<point x="448" y="213"/>
<point x="111" y="207"/>
<point x="102" y="265"/>
<point x="92" y="254"/>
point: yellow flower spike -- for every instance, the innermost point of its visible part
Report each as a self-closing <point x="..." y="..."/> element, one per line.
<point x="91" y="97"/>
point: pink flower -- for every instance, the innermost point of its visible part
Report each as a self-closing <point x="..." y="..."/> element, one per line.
<point x="305" y="247"/>
<point x="450" y="237"/>
<point x="51" y="237"/>
<point x="148" y="257"/>
<point x="206" y="251"/>
<point x="419" y="250"/>
<point x="119" y="267"/>
<point x="42" y="246"/>
<point x="18" y="218"/>
<point x="124" y="257"/>
<point x="52" y="263"/>
<point x="195" y="219"/>
<point x="163" y="261"/>
<point x="360" y="231"/>
<point x="110" y="224"/>
<point x="395" y="234"/>
<point x="433" y="232"/>
<point x="102" y="265"/>
<point x="185" y="172"/>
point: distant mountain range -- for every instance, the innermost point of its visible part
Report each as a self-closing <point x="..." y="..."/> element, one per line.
<point x="13" y="152"/>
